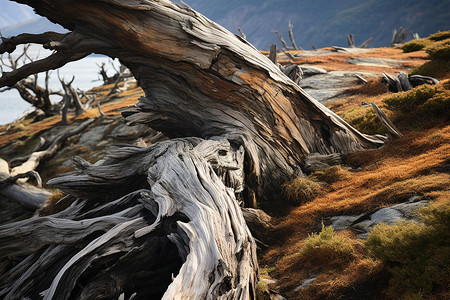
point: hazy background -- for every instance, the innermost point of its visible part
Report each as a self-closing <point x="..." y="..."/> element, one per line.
<point x="317" y="23"/>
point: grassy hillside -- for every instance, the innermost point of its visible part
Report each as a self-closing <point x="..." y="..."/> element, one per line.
<point x="325" y="23"/>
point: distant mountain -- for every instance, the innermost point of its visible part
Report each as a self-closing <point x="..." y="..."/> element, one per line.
<point x="12" y="13"/>
<point x="316" y="22"/>
<point x="35" y="25"/>
<point x="323" y="22"/>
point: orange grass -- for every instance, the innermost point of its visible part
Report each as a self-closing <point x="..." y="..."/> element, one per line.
<point x="338" y="61"/>
<point x="414" y="164"/>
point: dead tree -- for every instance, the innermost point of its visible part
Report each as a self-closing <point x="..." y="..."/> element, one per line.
<point x="351" y="40"/>
<point x="29" y="88"/>
<point x="282" y="40"/>
<point x="291" y="36"/>
<point x="398" y="37"/>
<point x="164" y="220"/>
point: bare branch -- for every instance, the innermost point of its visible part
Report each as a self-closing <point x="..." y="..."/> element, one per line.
<point x="9" y="44"/>
<point x="54" y="61"/>
<point x="242" y="33"/>
<point x="282" y="40"/>
<point x="291" y="36"/>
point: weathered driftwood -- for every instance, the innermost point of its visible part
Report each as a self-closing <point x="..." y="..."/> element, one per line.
<point x="387" y="123"/>
<point x="164" y="208"/>
<point x="293" y="71"/>
<point x="403" y="82"/>
<point x="417" y="80"/>
<point x="361" y="80"/>
<point x="180" y="236"/>
<point x="242" y="33"/>
<point x="317" y="161"/>
<point x="273" y="54"/>
<point x="28" y="196"/>
<point x="36" y="157"/>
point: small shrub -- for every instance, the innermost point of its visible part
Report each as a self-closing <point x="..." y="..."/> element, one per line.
<point x="440" y="35"/>
<point x="330" y="175"/>
<point x="439" y="50"/>
<point x="301" y="190"/>
<point x="328" y="244"/>
<point x="435" y="68"/>
<point x="409" y="101"/>
<point x="425" y="99"/>
<point x="417" y="256"/>
<point x="415" y="45"/>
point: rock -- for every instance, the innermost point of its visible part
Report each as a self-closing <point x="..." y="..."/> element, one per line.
<point x="329" y="86"/>
<point x="375" y="62"/>
<point x="305" y="284"/>
<point x="363" y="223"/>
<point x="93" y="136"/>
<point x="343" y="222"/>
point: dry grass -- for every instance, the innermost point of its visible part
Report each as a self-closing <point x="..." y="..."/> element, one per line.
<point x="416" y="164"/>
<point x="338" y="61"/>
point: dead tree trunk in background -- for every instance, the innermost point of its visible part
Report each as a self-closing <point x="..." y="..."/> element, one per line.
<point x="238" y="118"/>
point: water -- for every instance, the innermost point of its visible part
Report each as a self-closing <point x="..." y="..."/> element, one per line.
<point x="12" y="106"/>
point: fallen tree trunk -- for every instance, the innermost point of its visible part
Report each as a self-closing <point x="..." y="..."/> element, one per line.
<point x="239" y="118"/>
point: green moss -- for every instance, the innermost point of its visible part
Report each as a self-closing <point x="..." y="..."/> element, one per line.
<point x="440" y="35"/>
<point x="415" y="45"/>
<point x="425" y="99"/>
<point x="364" y="119"/>
<point x="266" y="271"/>
<point x="417" y="256"/>
<point x="439" y="50"/>
<point x="435" y="68"/>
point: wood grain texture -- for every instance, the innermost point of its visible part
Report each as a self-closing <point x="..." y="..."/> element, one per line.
<point x="182" y="222"/>
<point x="201" y="80"/>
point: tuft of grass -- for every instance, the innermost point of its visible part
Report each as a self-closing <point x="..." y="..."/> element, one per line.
<point x="439" y="50"/>
<point x="262" y="291"/>
<point x="417" y="256"/>
<point x="330" y="175"/>
<point x="301" y="190"/>
<point x="416" y="45"/>
<point x="49" y="207"/>
<point x="327" y="243"/>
